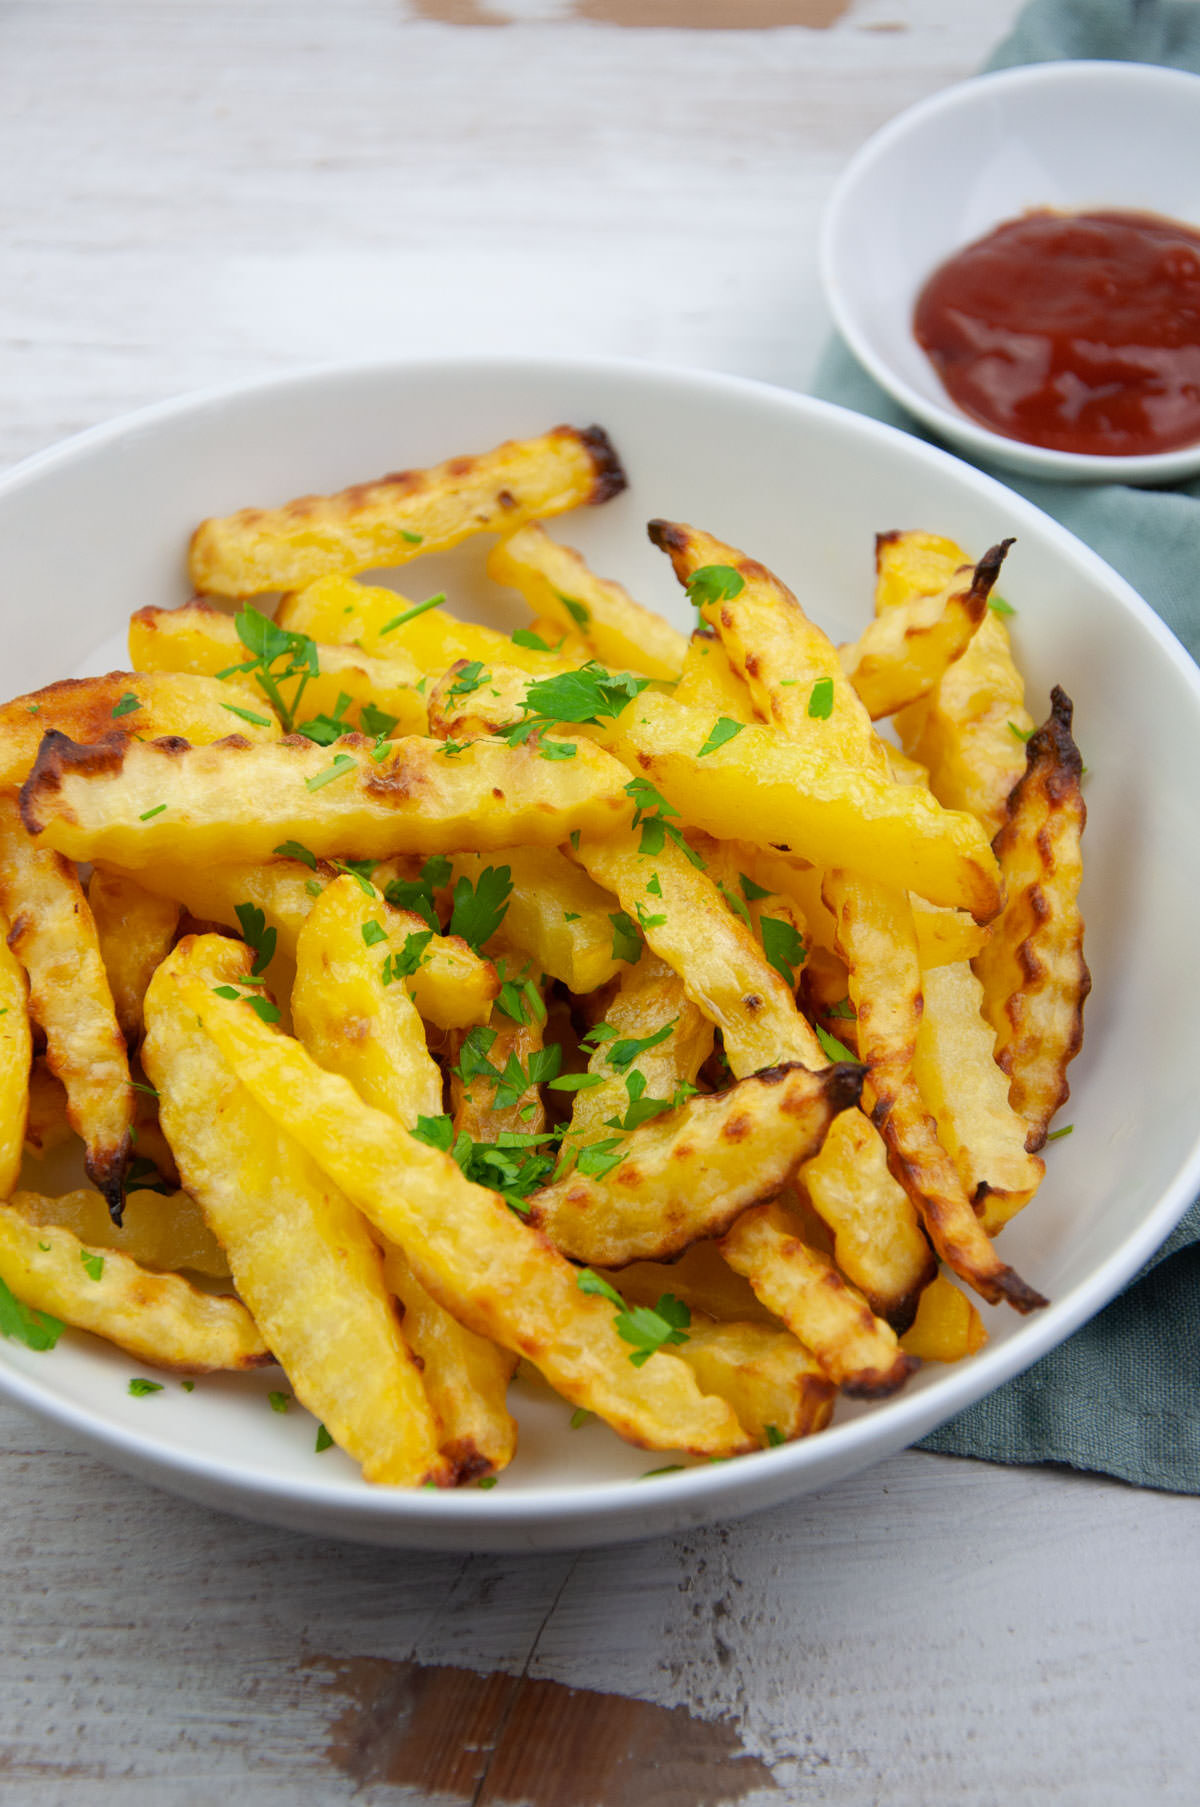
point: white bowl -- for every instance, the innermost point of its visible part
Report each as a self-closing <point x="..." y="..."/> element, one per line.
<point x="98" y="527"/>
<point x="1064" y="135"/>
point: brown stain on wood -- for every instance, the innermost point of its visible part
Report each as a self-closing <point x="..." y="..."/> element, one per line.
<point x="509" y="1741"/>
<point x="683" y="15"/>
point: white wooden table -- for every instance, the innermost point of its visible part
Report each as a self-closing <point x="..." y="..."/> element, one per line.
<point x="192" y="194"/>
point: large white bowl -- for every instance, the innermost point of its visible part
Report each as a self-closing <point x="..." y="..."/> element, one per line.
<point x="98" y="527"/>
<point x="945" y="172"/>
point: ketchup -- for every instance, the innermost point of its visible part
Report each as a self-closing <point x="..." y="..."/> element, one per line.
<point x="1080" y="332"/>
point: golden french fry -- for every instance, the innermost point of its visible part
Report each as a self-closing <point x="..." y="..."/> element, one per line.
<point x="947" y="1325"/>
<point x="354" y="1022"/>
<point x="702" y="1278"/>
<point x="351" y="1009"/>
<point x="649" y="1002"/>
<point x="878" y="944"/>
<point x="556" y="581"/>
<point x="968" y="1095"/>
<point x="54" y="938"/>
<point x="761" y="787"/>
<point x="338" y="611"/>
<point x="16" y="1054"/>
<point x="159" y="1318"/>
<point x="132" y="805"/>
<point x="855" y="1349"/>
<point x="971" y="729"/>
<point x="390" y="521"/>
<point x="904" y="652"/>
<point x="201" y="638"/>
<point x="688" y="1173"/>
<point x="556" y="914"/>
<point x="708" y="681"/>
<point x="911" y="564"/>
<point x="135" y="929"/>
<point x="164" y="1233"/>
<point x="470" y="699"/>
<point x="495" y="1273"/>
<point x="196" y="709"/>
<point x="1035" y="978"/>
<point x="300" y="1253"/>
<point x="778" y="1390"/>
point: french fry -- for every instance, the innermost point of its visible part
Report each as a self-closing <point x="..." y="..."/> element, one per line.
<point x="47" y="1126"/>
<point x="556" y="914"/>
<point x="855" y="1349"/>
<point x="689" y="1173"/>
<point x="201" y="638"/>
<point x="166" y="1234"/>
<point x="389" y="521"/>
<point x="385" y="625"/>
<point x="708" y="681"/>
<point x="649" y="1002"/>
<point x="967" y="1093"/>
<point x="971" y="729"/>
<point x="1035" y="978"/>
<point x="470" y="700"/>
<point x="494" y="1273"/>
<point x="159" y="1318"/>
<point x="196" y="709"/>
<point x="761" y="787"/>
<point x="911" y="564"/>
<point x="54" y="938"/>
<point x="354" y="1023"/>
<point x="947" y="1325"/>
<point x="299" y="1251"/>
<point x="131" y="805"/>
<point x="135" y="929"/>
<point x="16" y="1053"/>
<point x="703" y="1279"/>
<point x="904" y="652"/>
<point x="556" y="582"/>
<point x="877" y="942"/>
<point x="778" y="1390"/>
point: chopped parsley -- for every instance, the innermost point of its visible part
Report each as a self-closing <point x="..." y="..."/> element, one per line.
<point x="998" y="606"/>
<point x="521" y="1001"/>
<point x="93" y="1264"/>
<point x="1022" y="734"/>
<point x="579" y="1417"/>
<point x="264" y="1010"/>
<point x="373" y="933"/>
<point x="292" y="850"/>
<point x="416" y="894"/>
<point x="248" y="715"/>
<point x="148" y="814"/>
<point x="736" y="904"/>
<point x="599" y="1158"/>
<point x="471" y="677"/>
<point x="342" y="763"/>
<point x="486" y="1482"/>
<point x="784" y="947"/>
<point x="376" y="722"/>
<point x="257" y="936"/>
<point x="590" y="694"/>
<point x="774" y="1436"/>
<point x="126" y="705"/>
<point x="575" y="609"/>
<point x="279" y="1402"/>
<point x="843" y="1008"/>
<point x="714" y="583"/>
<point x="820" y="700"/>
<point x="515" y="1165"/>
<point x="834" y="1049"/>
<point x="414" y="539"/>
<point x="1056" y="1135"/>
<point x="140" y="1388"/>
<point x="325" y="729"/>
<point x="188" y="1386"/>
<point x="627" y="943"/>
<point x="750" y="891"/>
<point x="723" y="731"/>
<point x="650" y="813"/>
<point x="36" y="1329"/>
<point x="647" y="1328"/>
<point x="324" y="1440"/>
<point x="406" y="615"/>
<point x="410" y="957"/>
<point x="525" y="636"/>
<point x="646" y="920"/>
<point x="276" y="657"/>
<point x="480" y="908"/>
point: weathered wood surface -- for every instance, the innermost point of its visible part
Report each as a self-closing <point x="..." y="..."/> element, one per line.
<point x="197" y="194"/>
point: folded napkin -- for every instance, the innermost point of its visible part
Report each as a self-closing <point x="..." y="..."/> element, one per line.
<point x="1122" y="1396"/>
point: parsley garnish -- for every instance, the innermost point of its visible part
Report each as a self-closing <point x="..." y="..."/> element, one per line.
<point x="360" y="871"/>
<point x="576" y="610"/>
<point x="644" y="917"/>
<point x="590" y="694"/>
<point x="376" y="722"/>
<point x="576" y="1082"/>
<point x="147" y="814"/>
<point x="188" y="1386"/>
<point x="671" y="1468"/>
<point x="262" y="1007"/>
<point x="486" y="1482"/>
<point x="418" y="608"/>
<point x="1056" y="1135"/>
<point x="480" y="908"/>
<point x="126" y="705"/>
<point x="525" y="636"/>
<point x="622" y="1054"/>
<point x="722" y="731"/>
<point x="557" y="749"/>
<point x="276" y="657"/>
<point x="411" y="955"/>
<point x="36" y="1329"/>
<point x="647" y="1328"/>
<point x="654" y="885"/>
<point x="139" y="1388"/>
<point x="834" y="1049"/>
<point x="522" y="1001"/>
<point x="373" y="933"/>
<point x="514" y="1165"/>
<point x="140" y="1085"/>
<point x="599" y="1158"/>
<point x="842" y="1008"/>
<point x="279" y="1402"/>
<point x="735" y="904"/>
<point x="714" y="583"/>
<point x="324" y="1440"/>
<point x="998" y="606"/>
<point x="627" y="943"/>
<point x="93" y="1264"/>
<point x="1022" y="734"/>
<point x="579" y="1417"/>
<point x="342" y="764"/>
<point x="469" y="678"/>
<point x="257" y="936"/>
<point x="325" y="729"/>
<point x="750" y="891"/>
<point x="414" y="539"/>
<point x="820" y="700"/>
<point x="248" y="715"/>
<point x="292" y="850"/>
<point x="656" y="829"/>
<point x="774" y="1436"/>
<point x="784" y="947"/>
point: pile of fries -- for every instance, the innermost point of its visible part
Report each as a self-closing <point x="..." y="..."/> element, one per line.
<point x="424" y="1000"/>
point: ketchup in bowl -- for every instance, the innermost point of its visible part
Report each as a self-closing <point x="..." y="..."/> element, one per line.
<point x="1079" y="332"/>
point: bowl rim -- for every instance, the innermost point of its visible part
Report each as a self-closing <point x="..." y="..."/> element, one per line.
<point x="709" y="1490"/>
<point x="945" y="417"/>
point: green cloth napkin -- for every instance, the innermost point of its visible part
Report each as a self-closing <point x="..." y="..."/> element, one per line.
<point x="1122" y="1396"/>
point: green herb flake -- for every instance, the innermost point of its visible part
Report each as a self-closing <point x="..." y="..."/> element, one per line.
<point x="279" y="1402"/>
<point x="342" y="764"/>
<point x="714" y="583"/>
<point x="1056" y="1135"/>
<point x="248" y="715"/>
<point x="139" y="1085"/>
<point x="376" y="722"/>
<point x="480" y="908"/>
<point x="654" y="885"/>
<point x="1022" y="734"/>
<point x="627" y="943"/>
<point x="126" y="705"/>
<point x="579" y="1417"/>
<point x="575" y="609"/>
<point x="486" y="1482"/>
<point x="588" y="1281"/>
<point x="576" y="1082"/>
<point x="324" y="1440"/>
<point x="149" y="814"/>
<point x="256" y="934"/>
<point x="187" y="1386"/>
<point x="998" y="606"/>
<point x="820" y="700"/>
<point x="556" y="749"/>
<point x="373" y="933"/>
<point x="292" y="850"/>
<point x="671" y="1468"/>
<point x="843" y="1008"/>
<point x="834" y="1049"/>
<point x="525" y="636"/>
<point x="723" y="731"/>
<point x="93" y="1264"/>
<point x="599" y="1158"/>
<point x="419" y="608"/>
<point x="44" y="1247"/>
<point x="410" y="957"/>
<point x="471" y="677"/>
<point x="36" y="1329"/>
<point x="783" y="945"/>
<point x="414" y="539"/>
<point x="140" y="1388"/>
<point x="313" y="887"/>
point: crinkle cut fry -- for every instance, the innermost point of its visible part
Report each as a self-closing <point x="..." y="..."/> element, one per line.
<point x="391" y="520"/>
<point x="300" y="1253"/>
<point x="497" y="1275"/>
<point x="133" y="804"/>
<point x="878" y="943"/>
<point x="1034" y="975"/>
<point x="54" y="938"/>
<point x="16" y="1055"/>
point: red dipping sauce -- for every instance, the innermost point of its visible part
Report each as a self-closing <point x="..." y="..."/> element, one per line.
<point x="1080" y="332"/>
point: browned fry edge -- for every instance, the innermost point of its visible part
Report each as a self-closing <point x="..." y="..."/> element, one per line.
<point x="610" y="477"/>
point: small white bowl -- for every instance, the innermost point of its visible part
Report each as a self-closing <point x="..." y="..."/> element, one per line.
<point x="1065" y="135"/>
<point x="96" y="528"/>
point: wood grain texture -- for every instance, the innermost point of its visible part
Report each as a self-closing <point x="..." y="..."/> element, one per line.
<point x="194" y="195"/>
